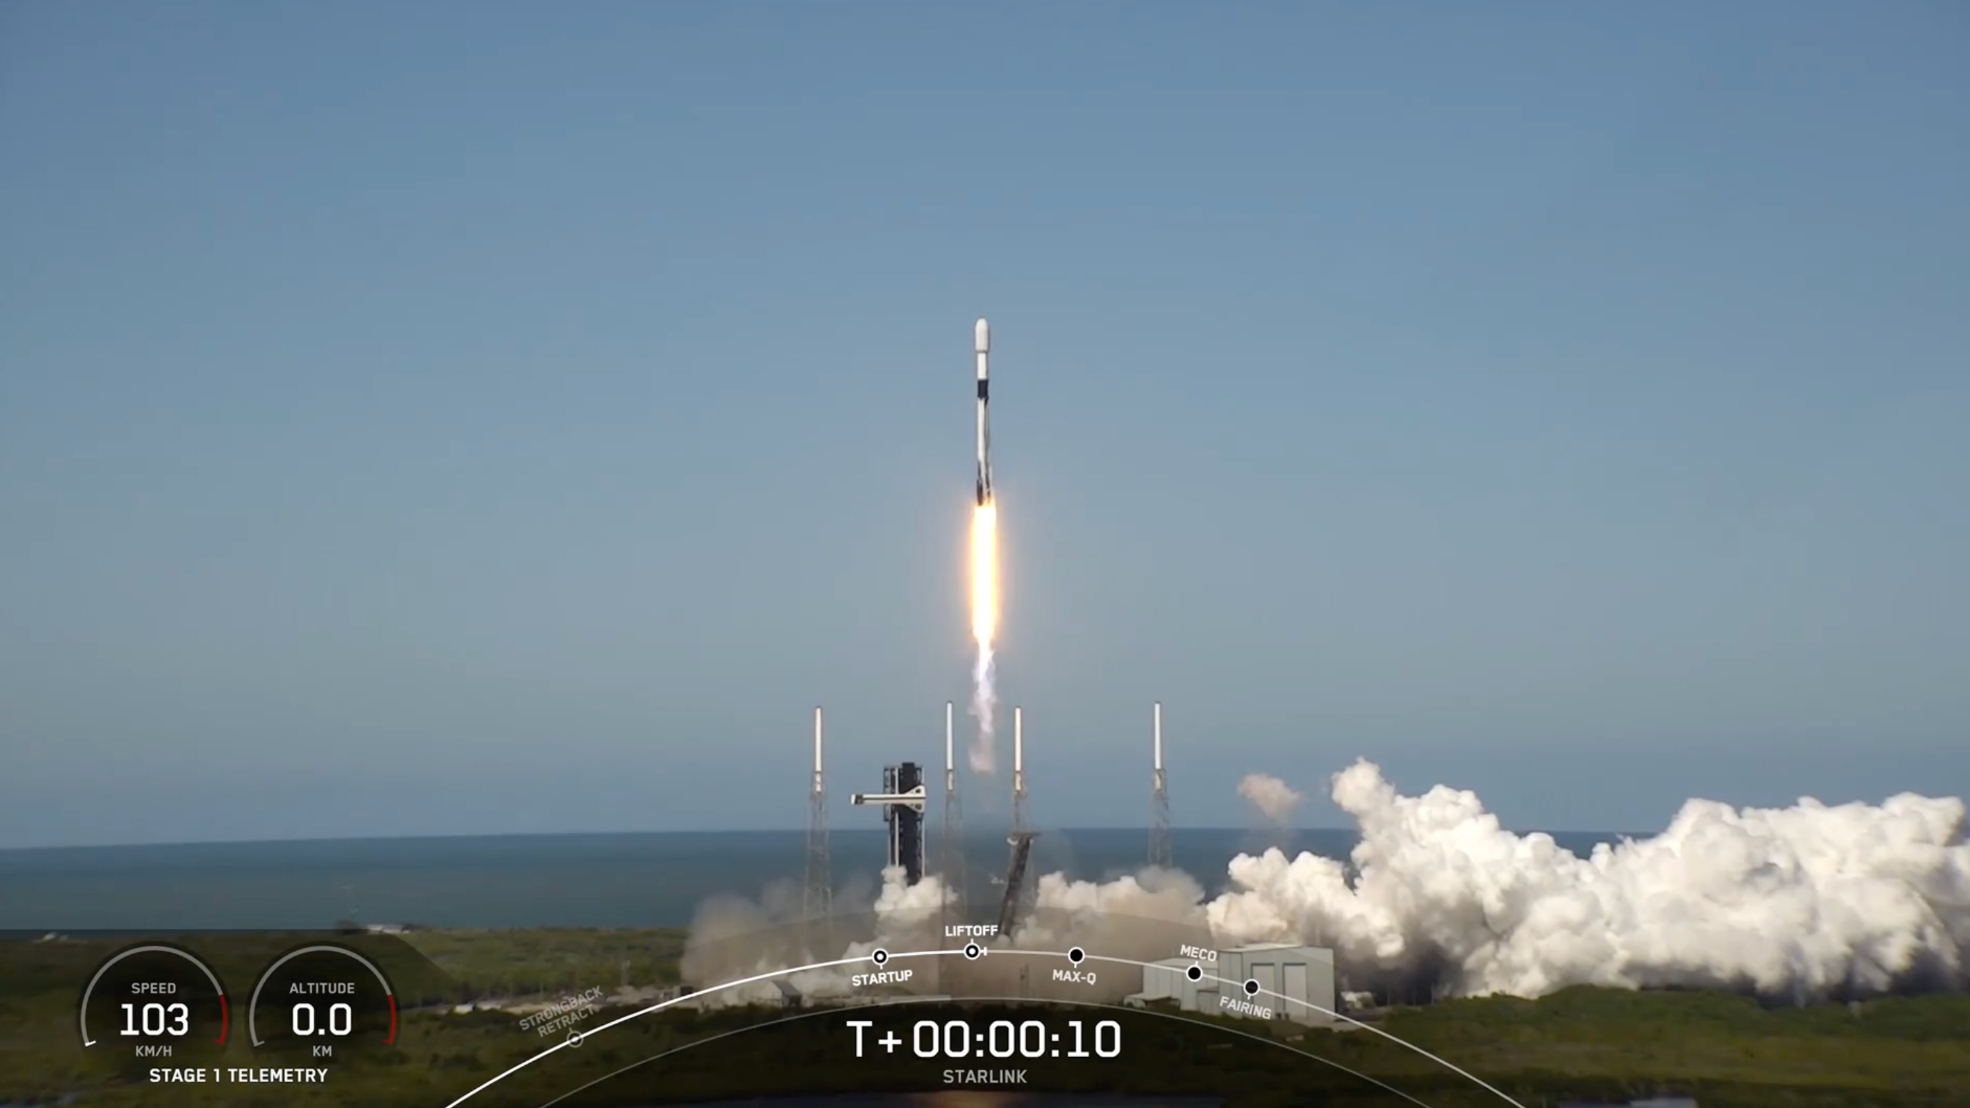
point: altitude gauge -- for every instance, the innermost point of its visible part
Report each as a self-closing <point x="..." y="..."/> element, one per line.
<point x="154" y="1003"/>
<point x="321" y="1001"/>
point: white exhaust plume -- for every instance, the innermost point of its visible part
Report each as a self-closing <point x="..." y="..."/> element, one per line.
<point x="1807" y="901"/>
<point x="1274" y="799"/>
<point x="1801" y="903"/>
<point x="1122" y="918"/>
<point x="982" y="757"/>
<point x="733" y="938"/>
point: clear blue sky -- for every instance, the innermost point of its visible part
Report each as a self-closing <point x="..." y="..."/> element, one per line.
<point x="512" y="417"/>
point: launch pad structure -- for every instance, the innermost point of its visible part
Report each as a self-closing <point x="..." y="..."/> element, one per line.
<point x="905" y="798"/>
<point x="902" y="801"/>
<point x="1011" y="907"/>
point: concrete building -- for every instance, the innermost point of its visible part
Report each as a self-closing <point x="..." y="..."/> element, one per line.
<point x="1302" y="975"/>
<point x="1298" y="983"/>
<point x="1165" y="980"/>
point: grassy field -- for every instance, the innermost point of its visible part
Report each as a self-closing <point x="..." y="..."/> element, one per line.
<point x="1726" y="1050"/>
<point x="550" y="960"/>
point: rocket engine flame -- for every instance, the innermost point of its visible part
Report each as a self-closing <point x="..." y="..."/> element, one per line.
<point x="984" y="625"/>
<point x="985" y="575"/>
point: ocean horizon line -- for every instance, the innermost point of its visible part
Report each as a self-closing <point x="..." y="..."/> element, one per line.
<point x="1256" y="832"/>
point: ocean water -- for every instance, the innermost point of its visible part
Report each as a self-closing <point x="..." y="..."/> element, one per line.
<point x="604" y="880"/>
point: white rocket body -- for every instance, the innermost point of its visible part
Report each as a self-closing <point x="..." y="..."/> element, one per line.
<point x="983" y="346"/>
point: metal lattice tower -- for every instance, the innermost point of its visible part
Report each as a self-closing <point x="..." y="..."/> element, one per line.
<point x="950" y="863"/>
<point x="1159" y="802"/>
<point x="817" y="899"/>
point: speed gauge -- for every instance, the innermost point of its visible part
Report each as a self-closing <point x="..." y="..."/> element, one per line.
<point x="154" y="1002"/>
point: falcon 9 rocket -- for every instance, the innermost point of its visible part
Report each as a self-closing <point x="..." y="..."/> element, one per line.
<point x="983" y="346"/>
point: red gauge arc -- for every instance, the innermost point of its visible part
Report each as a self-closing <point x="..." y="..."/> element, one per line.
<point x="253" y="1006"/>
<point x="150" y="950"/>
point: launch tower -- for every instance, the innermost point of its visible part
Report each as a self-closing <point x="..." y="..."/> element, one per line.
<point x="902" y="801"/>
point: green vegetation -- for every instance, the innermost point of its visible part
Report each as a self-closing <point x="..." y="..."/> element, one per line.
<point x="550" y="960"/>
<point x="1725" y="1050"/>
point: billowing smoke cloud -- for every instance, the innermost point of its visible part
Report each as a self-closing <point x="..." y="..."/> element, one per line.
<point x="982" y="757"/>
<point x="1274" y="799"/>
<point x="1807" y="902"/>
<point x="733" y="938"/>
<point x="1120" y="918"/>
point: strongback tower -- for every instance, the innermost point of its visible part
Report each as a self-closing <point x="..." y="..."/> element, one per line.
<point x="1159" y="800"/>
<point x="1013" y="905"/>
<point x="817" y="899"/>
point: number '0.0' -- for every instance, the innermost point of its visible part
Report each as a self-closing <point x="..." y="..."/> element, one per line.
<point x="341" y="1020"/>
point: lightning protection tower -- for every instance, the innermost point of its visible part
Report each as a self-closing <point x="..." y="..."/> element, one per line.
<point x="817" y="899"/>
<point x="1159" y="799"/>
<point x="950" y="863"/>
<point x="1019" y="895"/>
<point x="1019" y="814"/>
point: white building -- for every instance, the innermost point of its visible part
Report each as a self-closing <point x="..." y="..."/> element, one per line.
<point x="1296" y="983"/>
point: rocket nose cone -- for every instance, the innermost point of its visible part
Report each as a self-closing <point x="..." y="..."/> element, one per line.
<point x="984" y="336"/>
